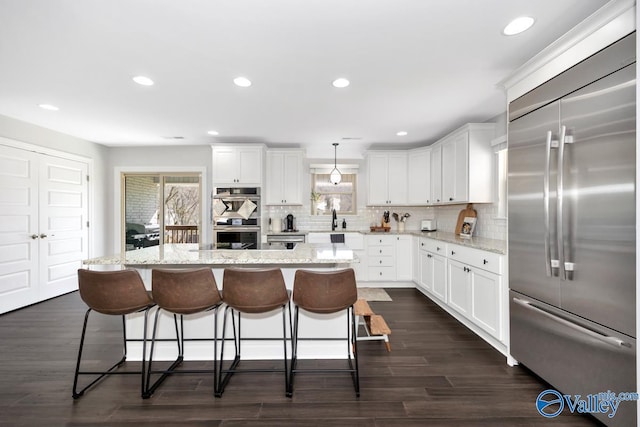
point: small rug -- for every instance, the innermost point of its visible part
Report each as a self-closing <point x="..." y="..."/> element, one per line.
<point x="373" y="294"/>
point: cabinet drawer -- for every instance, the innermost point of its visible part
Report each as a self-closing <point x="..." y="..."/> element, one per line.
<point x="485" y="260"/>
<point x="388" y="251"/>
<point x="434" y="246"/>
<point x="380" y="261"/>
<point x="382" y="273"/>
<point x="381" y="240"/>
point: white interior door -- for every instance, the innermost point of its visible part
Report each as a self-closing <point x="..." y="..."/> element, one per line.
<point x="63" y="224"/>
<point x="43" y="226"/>
<point x="18" y="228"/>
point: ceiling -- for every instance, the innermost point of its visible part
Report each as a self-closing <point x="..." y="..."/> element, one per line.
<point x="421" y="66"/>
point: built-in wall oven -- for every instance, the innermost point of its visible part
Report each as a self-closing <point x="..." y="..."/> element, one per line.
<point x="236" y="218"/>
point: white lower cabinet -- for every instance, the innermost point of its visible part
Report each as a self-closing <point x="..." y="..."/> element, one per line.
<point x="475" y="287"/>
<point x="381" y="257"/>
<point x="433" y="268"/>
<point x="486" y="301"/>
<point x="390" y="258"/>
<point x="459" y="287"/>
<point x="468" y="283"/>
<point x="404" y="259"/>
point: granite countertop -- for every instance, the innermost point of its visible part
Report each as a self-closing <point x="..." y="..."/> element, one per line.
<point x="175" y="254"/>
<point x="482" y="243"/>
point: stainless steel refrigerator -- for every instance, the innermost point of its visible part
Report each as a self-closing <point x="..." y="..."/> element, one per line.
<point x="571" y="204"/>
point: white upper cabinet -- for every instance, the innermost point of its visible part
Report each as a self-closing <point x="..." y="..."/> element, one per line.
<point x="419" y="177"/>
<point x="387" y="178"/>
<point x="237" y="165"/>
<point x="436" y="174"/>
<point x="466" y="165"/>
<point x="284" y="177"/>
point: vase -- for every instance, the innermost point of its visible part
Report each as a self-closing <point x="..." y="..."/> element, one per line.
<point x="401" y="227"/>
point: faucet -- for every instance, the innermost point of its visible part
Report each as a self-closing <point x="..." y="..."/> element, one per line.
<point x="334" y="222"/>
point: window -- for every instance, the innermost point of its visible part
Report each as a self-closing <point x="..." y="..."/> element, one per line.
<point x="160" y="208"/>
<point x="327" y="196"/>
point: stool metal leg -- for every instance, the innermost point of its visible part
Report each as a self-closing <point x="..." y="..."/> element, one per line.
<point x="351" y="349"/>
<point x="180" y="340"/>
<point x="237" y="339"/>
<point x="101" y="374"/>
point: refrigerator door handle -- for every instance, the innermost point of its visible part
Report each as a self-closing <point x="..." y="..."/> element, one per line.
<point x="560" y="199"/>
<point x="616" y="342"/>
<point x="549" y="263"/>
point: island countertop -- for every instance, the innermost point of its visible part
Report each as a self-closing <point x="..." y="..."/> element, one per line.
<point x="191" y="254"/>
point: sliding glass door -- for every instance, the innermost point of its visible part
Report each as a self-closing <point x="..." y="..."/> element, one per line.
<point x="160" y="209"/>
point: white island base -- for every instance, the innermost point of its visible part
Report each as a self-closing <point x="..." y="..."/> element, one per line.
<point x="320" y="336"/>
<point x="267" y="325"/>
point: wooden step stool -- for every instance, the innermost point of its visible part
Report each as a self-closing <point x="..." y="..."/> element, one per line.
<point x="374" y="325"/>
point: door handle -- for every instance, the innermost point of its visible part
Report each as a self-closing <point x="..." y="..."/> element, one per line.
<point x="564" y="140"/>
<point x="594" y="334"/>
<point x="550" y="143"/>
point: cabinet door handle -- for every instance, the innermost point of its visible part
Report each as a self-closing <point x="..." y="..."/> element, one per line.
<point x="42" y="235"/>
<point x="451" y="199"/>
<point x="438" y="248"/>
<point x="380" y="250"/>
<point x="453" y="253"/>
<point x="429" y="256"/>
<point x="381" y="273"/>
<point x="34" y="236"/>
<point x="421" y="244"/>
<point x="380" y="261"/>
<point x="485" y="262"/>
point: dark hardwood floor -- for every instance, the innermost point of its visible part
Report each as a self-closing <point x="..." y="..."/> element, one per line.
<point x="438" y="373"/>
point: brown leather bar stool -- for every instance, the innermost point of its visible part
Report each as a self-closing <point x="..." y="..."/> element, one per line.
<point x="252" y="291"/>
<point x="183" y="292"/>
<point x="115" y="293"/>
<point x="325" y="293"/>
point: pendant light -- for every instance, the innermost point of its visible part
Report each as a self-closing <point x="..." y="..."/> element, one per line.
<point x="336" y="176"/>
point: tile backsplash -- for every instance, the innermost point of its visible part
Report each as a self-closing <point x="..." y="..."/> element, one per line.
<point x="488" y="225"/>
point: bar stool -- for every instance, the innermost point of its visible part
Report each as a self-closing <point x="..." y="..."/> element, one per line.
<point x="114" y="293"/>
<point x="183" y="292"/>
<point x="252" y="291"/>
<point x="326" y="293"/>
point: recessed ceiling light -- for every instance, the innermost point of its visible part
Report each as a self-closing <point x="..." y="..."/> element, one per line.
<point x="48" y="107"/>
<point x="142" y="80"/>
<point x="213" y="132"/>
<point x="518" y="25"/>
<point x="341" y="82"/>
<point x="242" y="81"/>
<point x="402" y="133"/>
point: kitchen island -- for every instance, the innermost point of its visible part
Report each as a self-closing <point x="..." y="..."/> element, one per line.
<point x="319" y="329"/>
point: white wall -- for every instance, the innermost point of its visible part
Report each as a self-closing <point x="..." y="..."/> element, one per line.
<point x="155" y="159"/>
<point x="48" y="139"/>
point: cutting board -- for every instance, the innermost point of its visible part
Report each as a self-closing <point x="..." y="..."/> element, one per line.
<point x="467" y="212"/>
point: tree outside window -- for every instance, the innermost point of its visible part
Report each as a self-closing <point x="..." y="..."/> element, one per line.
<point x="327" y="196"/>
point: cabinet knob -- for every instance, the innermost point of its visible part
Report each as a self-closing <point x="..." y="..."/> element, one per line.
<point x="438" y="248"/>
<point x="42" y="235"/>
<point x="438" y="200"/>
<point x="380" y="261"/>
<point x="34" y="236"/>
<point x="380" y="250"/>
<point x="451" y="199"/>
<point x="453" y="253"/>
<point x="485" y="262"/>
<point x="429" y="256"/>
<point x="381" y="273"/>
<point x="421" y="244"/>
